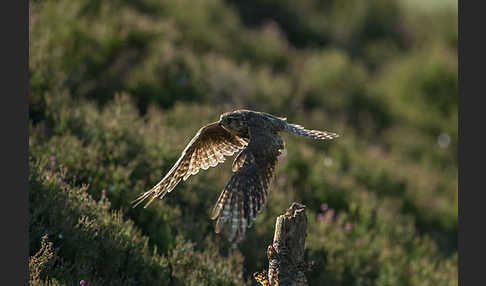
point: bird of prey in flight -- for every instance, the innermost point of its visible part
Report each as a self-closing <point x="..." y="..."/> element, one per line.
<point x="255" y="136"/>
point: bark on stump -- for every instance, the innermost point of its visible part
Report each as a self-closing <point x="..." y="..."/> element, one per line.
<point x="286" y="253"/>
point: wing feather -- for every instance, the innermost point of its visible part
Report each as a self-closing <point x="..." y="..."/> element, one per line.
<point x="245" y="194"/>
<point x="314" y="134"/>
<point x="219" y="155"/>
<point x="200" y="153"/>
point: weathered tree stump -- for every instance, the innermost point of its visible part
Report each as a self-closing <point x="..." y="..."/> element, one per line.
<point x="286" y="254"/>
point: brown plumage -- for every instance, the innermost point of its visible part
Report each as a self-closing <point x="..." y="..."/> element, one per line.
<point x="255" y="135"/>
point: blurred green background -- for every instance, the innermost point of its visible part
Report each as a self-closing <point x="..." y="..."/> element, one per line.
<point x="117" y="88"/>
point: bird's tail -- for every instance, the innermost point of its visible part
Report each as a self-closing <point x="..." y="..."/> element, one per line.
<point x="223" y="204"/>
<point x="230" y="208"/>
<point x="314" y="134"/>
<point x="156" y="191"/>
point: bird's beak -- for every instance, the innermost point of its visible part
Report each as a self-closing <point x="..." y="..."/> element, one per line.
<point x="220" y="124"/>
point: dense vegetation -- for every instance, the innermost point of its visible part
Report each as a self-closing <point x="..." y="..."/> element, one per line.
<point x="117" y="88"/>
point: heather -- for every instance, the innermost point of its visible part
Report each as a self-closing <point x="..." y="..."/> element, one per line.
<point x="117" y="88"/>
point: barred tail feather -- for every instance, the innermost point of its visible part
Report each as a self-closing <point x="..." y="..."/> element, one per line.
<point x="314" y="134"/>
<point x="230" y="208"/>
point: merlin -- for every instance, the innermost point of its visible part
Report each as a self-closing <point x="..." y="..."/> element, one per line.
<point x="255" y="136"/>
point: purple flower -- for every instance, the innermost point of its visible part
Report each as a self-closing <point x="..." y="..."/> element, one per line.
<point x="324" y="207"/>
<point x="320" y="217"/>
<point x="348" y="226"/>
<point x="82" y="282"/>
<point x="187" y="225"/>
<point x="53" y="161"/>
<point x="330" y="215"/>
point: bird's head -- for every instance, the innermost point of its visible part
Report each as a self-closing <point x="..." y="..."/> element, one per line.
<point x="234" y="122"/>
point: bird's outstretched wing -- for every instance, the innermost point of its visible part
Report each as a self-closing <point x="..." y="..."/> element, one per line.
<point x="246" y="192"/>
<point x="314" y="134"/>
<point x="208" y="148"/>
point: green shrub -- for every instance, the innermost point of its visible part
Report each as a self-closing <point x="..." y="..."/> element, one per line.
<point x="97" y="245"/>
<point x="118" y="88"/>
